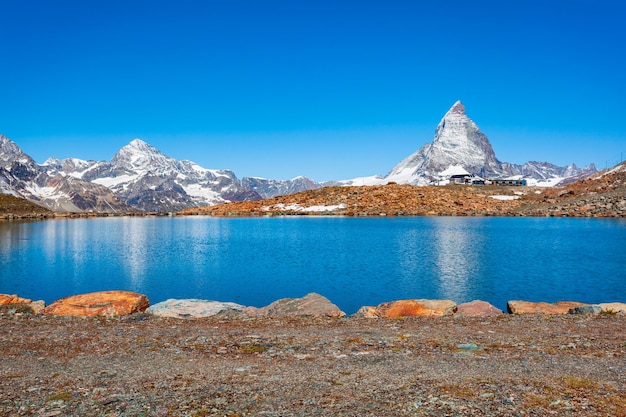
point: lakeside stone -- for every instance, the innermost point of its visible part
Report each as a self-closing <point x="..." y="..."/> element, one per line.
<point x="409" y="308"/>
<point x="593" y="309"/>
<point x="6" y="299"/>
<point x="9" y="299"/>
<point x="103" y="303"/>
<point x="477" y="308"/>
<point x="613" y="307"/>
<point x="369" y="312"/>
<point x="192" y="308"/>
<point x="311" y="305"/>
<point x="528" y="307"/>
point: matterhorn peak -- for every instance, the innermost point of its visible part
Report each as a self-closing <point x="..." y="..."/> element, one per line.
<point x="457" y="108"/>
<point x="457" y="142"/>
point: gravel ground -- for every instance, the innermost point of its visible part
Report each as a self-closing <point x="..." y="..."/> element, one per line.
<point x="143" y="365"/>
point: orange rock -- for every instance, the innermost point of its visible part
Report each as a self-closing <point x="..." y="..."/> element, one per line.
<point x="527" y="307"/>
<point x="36" y="306"/>
<point x="103" y="303"/>
<point x="424" y="308"/>
<point x="13" y="299"/>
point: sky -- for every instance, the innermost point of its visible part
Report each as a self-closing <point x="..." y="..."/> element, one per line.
<point x="327" y="89"/>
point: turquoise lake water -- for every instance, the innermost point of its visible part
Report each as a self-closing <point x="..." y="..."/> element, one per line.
<point x="352" y="261"/>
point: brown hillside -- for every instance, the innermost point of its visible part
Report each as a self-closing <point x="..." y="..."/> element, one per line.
<point x="383" y="200"/>
<point x="602" y="195"/>
<point x="13" y="206"/>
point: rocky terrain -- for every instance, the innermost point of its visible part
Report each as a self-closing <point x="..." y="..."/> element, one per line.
<point x="143" y="365"/>
<point x="108" y="353"/>
<point x="602" y="195"/>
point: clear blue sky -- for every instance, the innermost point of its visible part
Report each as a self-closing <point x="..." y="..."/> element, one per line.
<point x="327" y="89"/>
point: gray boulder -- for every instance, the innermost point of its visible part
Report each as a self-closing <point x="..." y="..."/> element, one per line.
<point x="193" y="308"/>
<point x="586" y="310"/>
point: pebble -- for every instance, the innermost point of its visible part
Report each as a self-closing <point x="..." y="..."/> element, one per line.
<point x="469" y="346"/>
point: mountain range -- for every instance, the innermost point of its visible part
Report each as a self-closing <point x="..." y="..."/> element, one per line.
<point x="139" y="177"/>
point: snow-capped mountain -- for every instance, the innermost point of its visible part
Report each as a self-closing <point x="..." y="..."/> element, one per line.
<point x="459" y="142"/>
<point x="145" y="178"/>
<point x="267" y="188"/>
<point x="148" y="180"/>
<point x="22" y="177"/>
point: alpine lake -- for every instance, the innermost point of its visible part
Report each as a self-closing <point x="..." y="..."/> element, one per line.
<point x="351" y="261"/>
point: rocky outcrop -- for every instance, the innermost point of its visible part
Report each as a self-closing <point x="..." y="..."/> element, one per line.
<point x="6" y="299"/>
<point x="193" y="308"/>
<point x="311" y="305"/>
<point x="103" y="303"/>
<point x="613" y="307"/>
<point x="478" y="308"/>
<point x="607" y="308"/>
<point x="527" y="307"/>
<point x="36" y="307"/>
<point x="409" y="308"/>
<point x="379" y="200"/>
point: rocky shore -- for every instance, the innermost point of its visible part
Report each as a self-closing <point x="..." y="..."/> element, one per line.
<point x="117" y="303"/>
<point x="285" y="361"/>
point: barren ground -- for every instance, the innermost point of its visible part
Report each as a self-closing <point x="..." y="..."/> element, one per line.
<point x="142" y="365"/>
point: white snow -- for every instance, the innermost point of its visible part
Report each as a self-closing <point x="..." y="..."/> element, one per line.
<point x="504" y="197"/>
<point x="372" y="180"/>
<point x="110" y="182"/>
<point x="549" y="182"/>
<point x="453" y="170"/>
<point x="44" y="192"/>
<point x="198" y="191"/>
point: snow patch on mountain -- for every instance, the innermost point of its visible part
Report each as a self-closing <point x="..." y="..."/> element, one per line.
<point x="360" y="181"/>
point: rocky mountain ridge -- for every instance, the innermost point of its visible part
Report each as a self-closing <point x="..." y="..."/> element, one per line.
<point x="139" y="177"/>
<point x="21" y="176"/>
<point x="602" y="195"/>
<point x="459" y="142"/>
